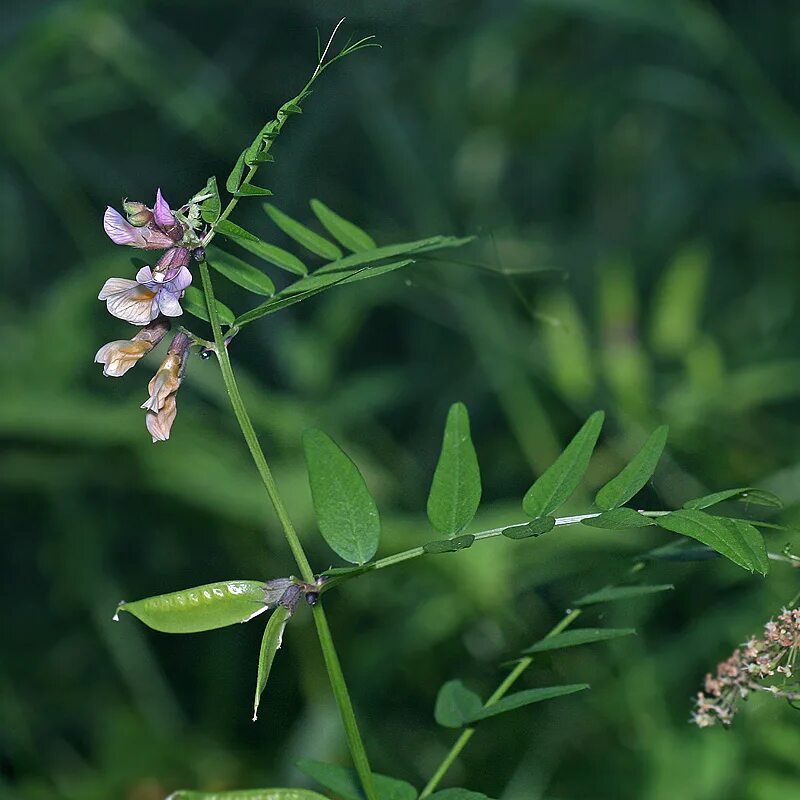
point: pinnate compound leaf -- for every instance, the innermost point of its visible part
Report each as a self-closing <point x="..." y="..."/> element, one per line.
<point x="611" y="593"/>
<point x="201" y="608"/>
<point x="535" y="527"/>
<point x="747" y="494"/>
<point x="526" y="698"/>
<point x="269" y="252"/>
<point x="345" y="232"/>
<point x="736" y="540"/>
<point x="241" y="273"/>
<point x="455" y="705"/>
<point x="578" y="636"/>
<point x="619" y="519"/>
<point x="312" y="241"/>
<point x="636" y="474"/>
<point x="194" y="303"/>
<point x="456" y="487"/>
<point x="450" y="545"/>
<point x="556" y="485"/>
<point x="249" y="794"/>
<point x="210" y="207"/>
<point x="270" y="644"/>
<point x="458" y="794"/>
<point x="344" y="782"/>
<point x="346" y="513"/>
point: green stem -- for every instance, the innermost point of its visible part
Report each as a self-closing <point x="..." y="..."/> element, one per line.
<point x="335" y="675"/>
<point x="498" y="694"/>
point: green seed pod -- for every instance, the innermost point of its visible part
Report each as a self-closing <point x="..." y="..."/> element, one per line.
<point x="250" y="794"/>
<point x="202" y="608"/>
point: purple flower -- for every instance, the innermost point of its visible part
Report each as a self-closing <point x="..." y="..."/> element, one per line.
<point x="147" y="229"/>
<point x="141" y="301"/>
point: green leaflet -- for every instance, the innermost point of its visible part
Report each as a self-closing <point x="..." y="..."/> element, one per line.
<point x="456" y="487"/>
<point x="270" y="644"/>
<point x="269" y="252"/>
<point x="249" y="794"/>
<point x="202" y="608"/>
<point x="241" y="273"/>
<point x="526" y="698"/>
<point x="235" y="178"/>
<point x="210" y="207"/>
<point x="234" y="231"/>
<point x="346" y="513"/>
<point x="344" y="231"/>
<point x="636" y="474"/>
<point x="555" y="486"/>
<point x="344" y="783"/>
<point x="194" y="302"/>
<point x="449" y="545"/>
<point x="455" y="705"/>
<point x="312" y="241"/>
<point x="577" y="636"/>
<point x="736" y="540"/>
<point x="747" y="494"/>
<point x="535" y="527"/>
<point x="324" y="280"/>
<point x="618" y="519"/>
<point x="612" y="593"/>
<point x="250" y="190"/>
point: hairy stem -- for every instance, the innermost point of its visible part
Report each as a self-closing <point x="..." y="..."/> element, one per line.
<point x="498" y="694"/>
<point x="334" y="669"/>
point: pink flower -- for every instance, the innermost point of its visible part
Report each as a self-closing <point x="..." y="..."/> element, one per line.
<point x="142" y="300"/>
<point x="147" y="229"/>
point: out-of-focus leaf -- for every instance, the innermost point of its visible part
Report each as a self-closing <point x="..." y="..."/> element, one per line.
<point x="458" y="794"/>
<point x="345" y="232"/>
<point x="455" y="705"/>
<point x="535" y="527"/>
<point x="344" y="782"/>
<point x="241" y="273"/>
<point x="747" y="494"/>
<point x="270" y="644"/>
<point x="249" y="794"/>
<point x="201" y="608"/>
<point x="210" y="207"/>
<point x="346" y="513"/>
<point x="194" y="302"/>
<point x="556" y="485"/>
<point x="309" y="239"/>
<point x="736" y="540"/>
<point x="449" y="545"/>
<point x="636" y="474"/>
<point x="456" y="487"/>
<point x="578" y="636"/>
<point x="612" y="593"/>
<point x="681" y="550"/>
<point x="619" y="519"/>
<point x="526" y="698"/>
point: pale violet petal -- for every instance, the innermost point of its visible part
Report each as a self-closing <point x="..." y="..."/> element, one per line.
<point x="162" y="212"/>
<point x="183" y="279"/>
<point x="168" y="304"/>
<point x="135" y="305"/>
<point x="115" y="286"/>
<point x="144" y="275"/>
<point x="120" y="231"/>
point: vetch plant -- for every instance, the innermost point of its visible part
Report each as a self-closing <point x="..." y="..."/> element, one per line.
<point x="347" y="515"/>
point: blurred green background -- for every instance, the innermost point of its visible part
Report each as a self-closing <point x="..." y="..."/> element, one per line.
<point x="632" y="170"/>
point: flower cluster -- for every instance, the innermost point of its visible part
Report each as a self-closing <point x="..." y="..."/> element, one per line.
<point x="152" y="298"/>
<point x="766" y="665"/>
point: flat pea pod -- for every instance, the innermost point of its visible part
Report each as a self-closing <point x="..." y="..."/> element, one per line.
<point x="250" y="794"/>
<point x="202" y="608"/>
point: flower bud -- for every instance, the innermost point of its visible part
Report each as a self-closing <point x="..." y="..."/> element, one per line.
<point x="138" y="213"/>
<point x="161" y="406"/>
<point x="171" y="262"/>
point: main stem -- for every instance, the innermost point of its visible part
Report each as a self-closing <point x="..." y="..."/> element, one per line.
<point x="335" y="675"/>
<point x="498" y="694"/>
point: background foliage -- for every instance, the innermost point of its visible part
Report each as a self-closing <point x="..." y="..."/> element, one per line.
<point x="632" y="168"/>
